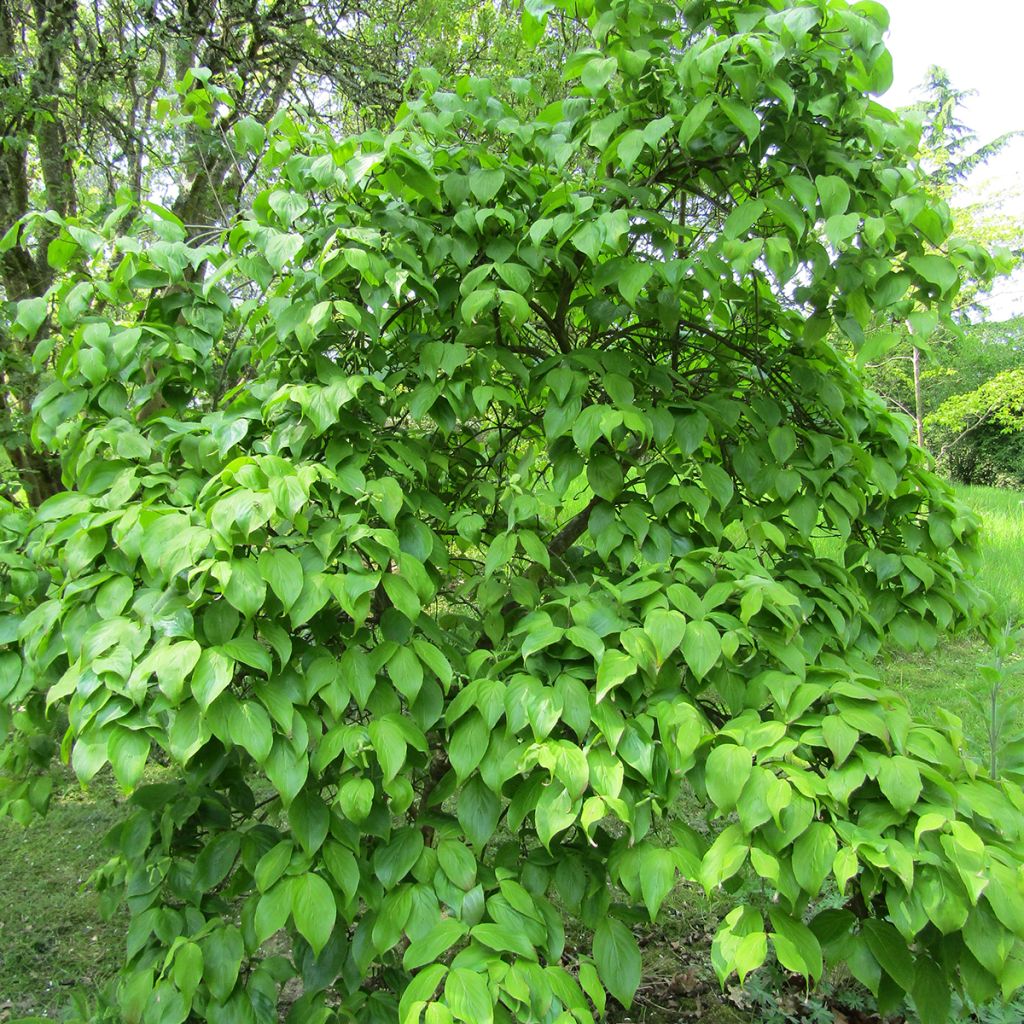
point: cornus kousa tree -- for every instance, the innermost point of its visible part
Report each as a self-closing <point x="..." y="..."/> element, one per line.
<point x="488" y="486"/>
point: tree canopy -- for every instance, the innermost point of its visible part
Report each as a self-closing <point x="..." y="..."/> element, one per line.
<point x="486" y="483"/>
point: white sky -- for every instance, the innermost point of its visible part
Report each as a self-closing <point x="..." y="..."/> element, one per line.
<point x="980" y="44"/>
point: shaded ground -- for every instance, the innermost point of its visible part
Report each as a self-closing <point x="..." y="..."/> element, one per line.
<point x="52" y="936"/>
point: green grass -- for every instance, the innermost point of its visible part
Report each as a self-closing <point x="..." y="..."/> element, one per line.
<point x="52" y="936"/>
<point x="1002" y="518"/>
<point x="948" y="676"/>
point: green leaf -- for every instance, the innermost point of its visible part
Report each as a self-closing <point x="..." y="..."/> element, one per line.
<point x="900" y="782"/>
<point x="936" y="270"/>
<point x="875" y="346"/>
<point x="742" y="116"/>
<point x="222" y="950"/>
<point x="931" y="992"/>
<point x="128" y="752"/>
<point x="614" y="669"/>
<point x="631" y="279"/>
<point x="468" y="996"/>
<point x="694" y="119"/>
<point x="438" y="940"/>
<point x="313" y="909"/>
<point x="834" y="194"/>
<point x="890" y="950"/>
<point x="485" y="182"/>
<point x="286" y="769"/>
<point x="597" y="73"/>
<point x="389" y="745"/>
<point x="30" y="315"/>
<point x="248" y="651"/>
<point x="604" y="474"/>
<point x="281" y="249"/>
<point x="478" y="811"/>
<point x="249" y="727"/>
<point x="657" y="878"/>
<point x="216" y="860"/>
<point x="630" y="146"/>
<point x="724" y="858"/>
<point x="457" y="863"/>
<point x="391" y="863"/>
<point x="725" y="774"/>
<point x="309" y="819"/>
<point x="744" y="217"/>
<point x="813" y="855"/>
<point x="795" y="945"/>
<point x="289" y="206"/>
<point x="702" y="647"/>
<point x="249" y="135"/>
<point x="245" y="588"/>
<point x="618" y="961"/>
<point x="355" y="798"/>
<point x="419" y="179"/>
<point x="422" y="987"/>
<point x="283" y="571"/>
<point x="211" y="676"/>
<point x="468" y="744"/>
<point x="273" y="909"/>
<point x="666" y="629"/>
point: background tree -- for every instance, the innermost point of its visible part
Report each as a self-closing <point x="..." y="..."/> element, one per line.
<point x="949" y="153"/>
<point x="543" y="497"/>
<point x="107" y="104"/>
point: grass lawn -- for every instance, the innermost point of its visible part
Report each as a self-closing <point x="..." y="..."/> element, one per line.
<point x="52" y="936"/>
<point x="948" y="676"/>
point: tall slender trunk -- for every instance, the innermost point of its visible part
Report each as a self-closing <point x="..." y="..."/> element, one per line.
<point x="918" y="401"/>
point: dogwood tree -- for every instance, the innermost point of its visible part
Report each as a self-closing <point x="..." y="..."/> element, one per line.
<point x="486" y="486"/>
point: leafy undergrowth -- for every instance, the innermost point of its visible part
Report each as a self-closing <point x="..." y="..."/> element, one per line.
<point x="52" y="936"/>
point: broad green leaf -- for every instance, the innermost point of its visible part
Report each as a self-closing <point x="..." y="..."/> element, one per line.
<point x="725" y="774"/>
<point x="212" y="674"/>
<point x="355" y="798"/>
<point x="393" y="861"/>
<point x="282" y="248"/>
<point x="795" y="945"/>
<point x="702" y="647"/>
<point x="890" y="950"/>
<point x="666" y="628"/>
<point x="936" y="270"/>
<point x="484" y="183"/>
<point x="742" y="116"/>
<point x="614" y="669"/>
<point x="427" y="949"/>
<point x="597" y="72"/>
<point x="222" y="950"/>
<point x="128" y="751"/>
<point x="283" y="571"/>
<point x="250" y="728"/>
<point x="30" y="314"/>
<point x="617" y="957"/>
<point x="313" y="909"/>
<point x="900" y="781"/>
<point x="813" y="856"/>
<point x="245" y="588"/>
<point x="468" y="997"/>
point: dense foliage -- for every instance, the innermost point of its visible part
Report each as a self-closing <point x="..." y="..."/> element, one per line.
<point x="972" y="402"/>
<point x="109" y="103"/>
<point x="470" y="498"/>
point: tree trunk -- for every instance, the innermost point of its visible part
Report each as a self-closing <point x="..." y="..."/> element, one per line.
<point x="918" y="401"/>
